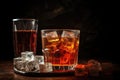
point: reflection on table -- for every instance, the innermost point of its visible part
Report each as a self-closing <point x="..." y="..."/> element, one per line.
<point x="7" y="73"/>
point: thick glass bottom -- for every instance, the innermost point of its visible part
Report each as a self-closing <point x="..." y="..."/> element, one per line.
<point x="63" y="68"/>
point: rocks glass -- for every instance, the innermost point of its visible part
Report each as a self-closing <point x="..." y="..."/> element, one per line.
<point x="60" y="47"/>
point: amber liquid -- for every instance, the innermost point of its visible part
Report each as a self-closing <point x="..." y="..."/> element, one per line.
<point x="24" y="40"/>
<point x="63" y="52"/>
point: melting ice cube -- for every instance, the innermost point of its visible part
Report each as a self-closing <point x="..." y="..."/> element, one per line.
<point x="68" y="34"/>
<point x="18" y="63"/>
<point x="52" y="36"/>
<point x="27" y="56"/>
<point x="27" y="62"/>
<point x="40" y="59"/>
<point x="32" y="66"/>
<point x="68" y="39"/>
<point x="94" y="67"/>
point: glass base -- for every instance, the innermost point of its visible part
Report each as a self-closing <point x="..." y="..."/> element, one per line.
<point x="45" y="74"/>
<point x="63" y="68"/>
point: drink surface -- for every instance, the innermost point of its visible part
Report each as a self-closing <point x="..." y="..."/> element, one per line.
<point x="24" y="40"/>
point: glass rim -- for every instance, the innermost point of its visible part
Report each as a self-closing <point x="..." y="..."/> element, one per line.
<point x="60" y="29"/>
<point x="18" y="19"/>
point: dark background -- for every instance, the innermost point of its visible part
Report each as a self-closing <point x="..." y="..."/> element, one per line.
<point x="95" y="19"/>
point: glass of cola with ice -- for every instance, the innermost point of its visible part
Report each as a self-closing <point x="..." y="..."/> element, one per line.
<point x="60" y="47"/>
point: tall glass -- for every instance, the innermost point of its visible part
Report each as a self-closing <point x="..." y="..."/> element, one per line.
<point x="60" y="47"/>
<point x="24" y="35"/>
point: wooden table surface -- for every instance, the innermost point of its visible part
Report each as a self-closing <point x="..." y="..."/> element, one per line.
<point x="7" y="73"/>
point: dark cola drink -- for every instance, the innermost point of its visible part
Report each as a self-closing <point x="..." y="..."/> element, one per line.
<point x="24" y="40"/>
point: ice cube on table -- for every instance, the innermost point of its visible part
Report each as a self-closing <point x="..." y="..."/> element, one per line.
<point x="52" y="36"/>
<point x="27" y="62"/>
<point x="80" y="70"/>
<point x="40" y="59"/>
<point x="32" y="66"/>
<point x="46" y="67"/>
<point x="94" y="64"/>
<point x="94" y="67"/>
<point x="27" y="56"/>
<point x="18" y="63"/>
<point x="26" y="66"/>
